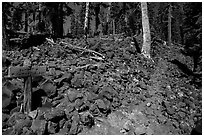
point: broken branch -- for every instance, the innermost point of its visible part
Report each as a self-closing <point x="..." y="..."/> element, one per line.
<point x="80" y="48"/>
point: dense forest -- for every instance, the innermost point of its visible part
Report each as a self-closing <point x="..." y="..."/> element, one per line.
<point x="101" y="68"/>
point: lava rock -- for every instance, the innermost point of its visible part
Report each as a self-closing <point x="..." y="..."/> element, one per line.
<point x="85" y="106"/>
<point x="142" y="85"/>
<point x="65" y="78"/>
<point x="162" y="119"/>
<point x="63" y="103"/>
<point x="6" y="62"/>
<point x="56" y="102"/>
<point x="27" y="131"/>
<point x="75" y="124"/>
<point x="198" y="128"/>
<point x="101" y="105"/>
<point x="149" y="131"/>
<point x="116" y="102"/>
<point x="69" y="109"/>
<point x="182" y="104"/>
<point x="78" y="103"/>
<point x="107" y="92"/>
<point x="37" y="80"/>
<point x="8" y="131"/>
<point x="39" y="126"/>
<point x="8" y="97"/>
<point x="170" y="110"/>
<point x="53" y="127"/>
<point x="20" y="124"/>
<point x="117" y="120"/>
<point x="140" y="131"/>
<point x="67" y="124"/>
<point x="62" y="122"/>
<point x="5" y="117"/>
<point x="49" y="88"/>
<point x="181" y="115"/>
<point x="33" y="114"/>
<point x="63" y="131"/>
<point x="87" y="120"/>
<point x="91" y="96"/>
<point x="93" y="89"/>
<point x="55" y="114"/>
<point x="77" y="82"/>
<point x="94" y="110"/>
<point x="72" y="95"/>
<point x="15" y="117"/>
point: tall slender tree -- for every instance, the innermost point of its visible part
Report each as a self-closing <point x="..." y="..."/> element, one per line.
<point x="97" y="20"/>
<point x="86" y="20"/>
<point x="107" y="18"/>
<point x="169" y="25"/>
<point x="146" y="31"/>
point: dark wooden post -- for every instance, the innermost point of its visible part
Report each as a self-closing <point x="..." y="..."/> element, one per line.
<point x="26" y="72"/>
<point x="27" y="106"/>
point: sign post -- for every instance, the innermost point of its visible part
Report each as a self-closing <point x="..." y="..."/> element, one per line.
<point x="26" y="72"/>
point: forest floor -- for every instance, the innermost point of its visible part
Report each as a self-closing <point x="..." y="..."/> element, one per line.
<point x="115" y="92"/>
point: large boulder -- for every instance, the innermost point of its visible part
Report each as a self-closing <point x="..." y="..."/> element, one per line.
<point x="8" y="96"/>
<point x="49" y="88"/>
<point x="55" y="115"/>
<point x="39" y="126"/>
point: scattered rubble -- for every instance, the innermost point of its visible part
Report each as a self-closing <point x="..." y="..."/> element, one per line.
<point x="105" y="88"/>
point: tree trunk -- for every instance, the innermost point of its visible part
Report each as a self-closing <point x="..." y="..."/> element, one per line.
<point x="169" y="26"/>
<point x="55" y="20"/>
<point x="86" y="20"/>
<point x="40" y="11"/>
<point x="33" y="22"/>
<point x="26" y="22"/>
<point x="5" y="37"/>
<point x="146" y="31"/>
<point x="97" y="20"/>
<point x="107" y="19"/>
<point x="60" y="23"/>
<point x="113" y="26"/>
<point x="125" y="28"/>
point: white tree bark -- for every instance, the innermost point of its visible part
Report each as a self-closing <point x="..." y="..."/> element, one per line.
<point x="146" y="31"/>
<point x="86" y="18"/>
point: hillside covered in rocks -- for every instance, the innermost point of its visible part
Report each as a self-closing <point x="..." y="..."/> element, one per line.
<point x="102" y="86"/>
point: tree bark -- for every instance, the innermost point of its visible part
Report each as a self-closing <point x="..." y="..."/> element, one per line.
<point x="146" y="31"/>
<point x="169" y="26"/>
<point x="97" y="20"/>
<point x="40" y="11"/>
<point x="86" y="20"/>
<point x="26" y="22"/>
<point x="60" y="23"/>
<point x="5" y="37"/>
<point x="34" y="23"/>
<point x="113" y="26"/>
<point x="107" y="19"/>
